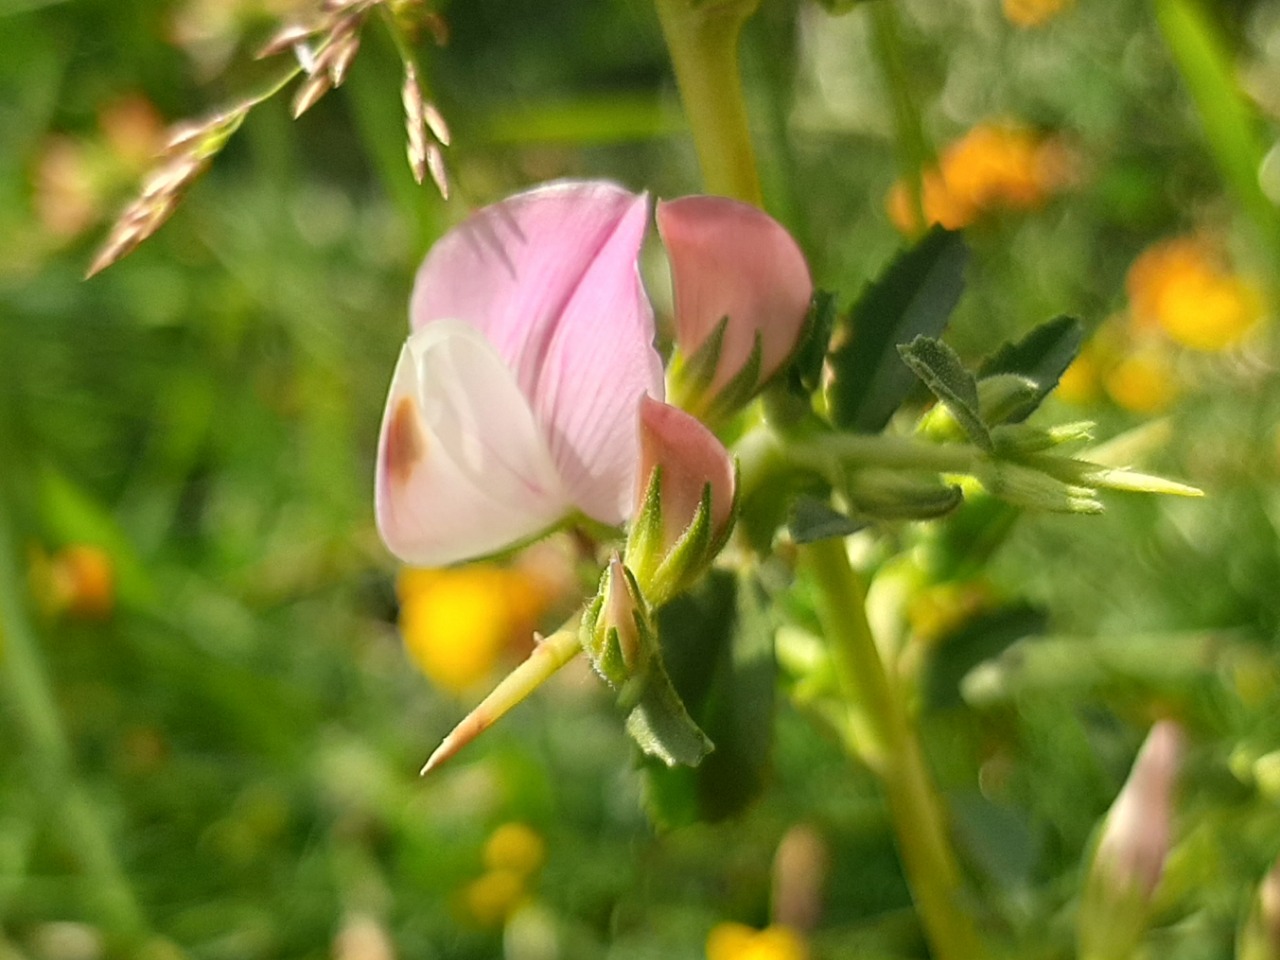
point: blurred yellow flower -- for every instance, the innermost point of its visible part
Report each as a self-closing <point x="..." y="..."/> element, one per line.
<point x="992" y="167"/>
<point x="941" y="608"/>
<point x="457" y="623"/>
<point x="513" y="853"/>
<point x="1081" y="383"/>
<point x="493" y="896"/>
<point x="515" y="847"/>
<point x="1033" y="13"/>
<point x="1143" y="381"/>
<point x="1183" y="288"/>
<point x="735" y="941"/>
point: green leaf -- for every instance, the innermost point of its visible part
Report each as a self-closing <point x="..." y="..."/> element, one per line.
<point x="913" y="297"/>
<point x="979" y="638"/>
<point x="942" y="372"/>
<point x="718" y="645"/>
<point x="813" y="519"/>
<point x="1041" y="357"/>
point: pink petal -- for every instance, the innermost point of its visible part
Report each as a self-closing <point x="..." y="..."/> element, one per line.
<point x="550" y="277"/>
<point x="463" y="468"/>
<point x="691" y="457"/>
<point x="730" y="259"/>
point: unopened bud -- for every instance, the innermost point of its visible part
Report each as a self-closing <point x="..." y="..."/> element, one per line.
<point x="617" y="630"/>
<point x="685" y="502"/>
<point x="1130" y="856"/>
<point x="742" y="297"/>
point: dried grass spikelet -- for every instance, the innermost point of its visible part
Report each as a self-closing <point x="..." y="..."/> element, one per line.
<point x="420" y="119"/>
<point x="189" y="149"/>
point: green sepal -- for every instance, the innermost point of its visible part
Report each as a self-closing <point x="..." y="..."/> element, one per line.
<point x="888" y="495"/>
<point x="1014" y="440"/>
<point x="687" y="557"/>
<point x="804" y="372"/>
<point x="941" y="370"/>
<point x="1031" y="487"/>
<point x="661" y="726"/>
<point x="735" y="394"/>
<point x="692" y="376"/>
<point x="643" y="552"/>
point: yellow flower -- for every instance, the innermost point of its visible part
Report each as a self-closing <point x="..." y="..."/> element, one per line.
<point x="734" y="941"/>
<point x="1033" y="13"/>
<point x="457" y="623"/>
<point x="1182" y="287"/>
<point x="992" y="167"/>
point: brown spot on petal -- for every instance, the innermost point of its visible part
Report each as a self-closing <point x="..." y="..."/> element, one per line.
<point x="405" y="443"/>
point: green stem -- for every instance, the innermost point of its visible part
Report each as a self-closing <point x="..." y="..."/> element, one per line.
<point x="32" y="702"/>
<point x="702" y="38"/>
<point x="891" y="746"/>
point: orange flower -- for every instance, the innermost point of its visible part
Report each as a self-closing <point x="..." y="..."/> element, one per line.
<point x="1033" y="13"/>
<point x="78" y="581"/>
<point x="1143" y="381"/>
<point x="1183" y="288"/>
<point x="995" y="166"/>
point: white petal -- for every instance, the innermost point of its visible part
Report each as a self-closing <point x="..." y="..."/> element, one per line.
<point x="463" y="469"/>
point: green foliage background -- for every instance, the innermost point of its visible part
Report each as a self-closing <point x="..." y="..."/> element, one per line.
<point x="246" y="729"/>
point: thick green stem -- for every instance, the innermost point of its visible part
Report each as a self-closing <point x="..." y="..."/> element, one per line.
<point x="30" y="698"/>
<point x="894" y="752"/>
<point x="703" y="40"/>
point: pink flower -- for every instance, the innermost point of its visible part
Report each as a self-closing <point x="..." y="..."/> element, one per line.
<point x="729" y="259"/>
<point x="514" y="402"/>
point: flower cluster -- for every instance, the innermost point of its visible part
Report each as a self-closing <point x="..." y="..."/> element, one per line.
<point x="530" y="393"/>
<point x="995" y="166"/>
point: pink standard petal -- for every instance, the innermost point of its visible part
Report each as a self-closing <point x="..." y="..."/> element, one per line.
<point x="730" y="259"/>
<point x="550" y="277"/>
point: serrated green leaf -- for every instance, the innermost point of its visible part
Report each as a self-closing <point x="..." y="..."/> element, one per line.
<point x="913" y="297"/>
<point x="940" y="368"/>
<point x="981" y="637"/>
<point x="1042" y="356"/>
<point x="718" y="643"/>
<point x="813" y="519"/>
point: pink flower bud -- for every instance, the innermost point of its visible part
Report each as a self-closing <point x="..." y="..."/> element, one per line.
<point x="730" y="259"/>
<point x="685" y="501"/>
<point x="1135" y="839"/>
